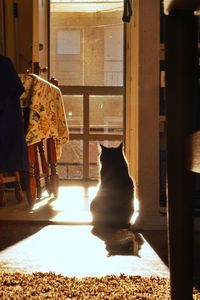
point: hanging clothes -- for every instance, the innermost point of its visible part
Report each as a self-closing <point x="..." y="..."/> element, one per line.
<point x="13" y="149"/>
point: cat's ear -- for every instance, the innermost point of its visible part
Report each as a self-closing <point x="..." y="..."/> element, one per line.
<point x="102" y="147"/>
<point x="120" y="146"/>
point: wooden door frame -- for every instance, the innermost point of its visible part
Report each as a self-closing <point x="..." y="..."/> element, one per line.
<point x="2" y="27"/>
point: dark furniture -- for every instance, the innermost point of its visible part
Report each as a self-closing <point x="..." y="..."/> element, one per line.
<point x="181" y="50"/>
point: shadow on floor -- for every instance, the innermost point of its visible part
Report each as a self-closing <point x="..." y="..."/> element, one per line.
<point x="14" y="232"/>
<point x="119" y="241"/>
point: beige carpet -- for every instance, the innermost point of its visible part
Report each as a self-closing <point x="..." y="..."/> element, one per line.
<point x="52" y="286"/>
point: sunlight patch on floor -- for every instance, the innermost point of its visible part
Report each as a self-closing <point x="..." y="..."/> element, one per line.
<point x="43" y="201"/>
<point x="72" y="206"/>
<point x="73" y="203"/>
<point x="75" y="251"/>
<point x="74" y="198"/>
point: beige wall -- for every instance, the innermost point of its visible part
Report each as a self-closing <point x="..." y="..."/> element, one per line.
<point x="10" y="48"/>
<point x="142" y="121"/>
<point x="18" y="42"/>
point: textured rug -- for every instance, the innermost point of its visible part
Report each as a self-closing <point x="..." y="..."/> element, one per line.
<point x="52" y="286"/>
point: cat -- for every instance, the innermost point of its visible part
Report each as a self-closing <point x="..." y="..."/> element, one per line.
<point x="113" y="204"/>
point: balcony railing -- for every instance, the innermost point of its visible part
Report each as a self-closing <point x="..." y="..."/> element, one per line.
<point x="87" y="132"/>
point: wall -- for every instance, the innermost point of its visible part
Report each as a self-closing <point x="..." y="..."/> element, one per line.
<point x="18" y="44"/>
<point x="142" y="120"/>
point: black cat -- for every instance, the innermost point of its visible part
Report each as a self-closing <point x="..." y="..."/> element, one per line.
<point x="113" y="204"/>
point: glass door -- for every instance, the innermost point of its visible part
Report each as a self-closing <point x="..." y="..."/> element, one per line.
<point x="86" y="57"/>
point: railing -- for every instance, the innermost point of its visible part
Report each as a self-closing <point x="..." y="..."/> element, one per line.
<point x="100" y="129"/>
<point x="87" y="132"/>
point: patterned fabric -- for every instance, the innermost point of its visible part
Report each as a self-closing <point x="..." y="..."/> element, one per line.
<point x="47" y="115"/>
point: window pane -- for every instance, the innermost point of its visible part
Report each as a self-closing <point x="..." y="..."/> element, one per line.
<point x="86" y="42"/>
<point x="74" y="112"/>
<point x="70" y="165"/>
<point x="106" y="114"/>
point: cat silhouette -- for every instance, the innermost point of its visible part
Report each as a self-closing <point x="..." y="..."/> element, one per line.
<point x="113" y="203"/>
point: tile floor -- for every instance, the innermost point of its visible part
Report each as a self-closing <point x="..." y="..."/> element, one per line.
<point x="73" y="250"/>
<point x="57" y="236"/>
<point x="71" y="206"/>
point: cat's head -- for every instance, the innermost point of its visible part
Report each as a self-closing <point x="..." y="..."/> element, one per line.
<point x="109" y="154"/>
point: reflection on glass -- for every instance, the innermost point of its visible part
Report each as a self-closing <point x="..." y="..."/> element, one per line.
<point x="94" y="152"/>
<point x="70" y="165"/>
<point x="106" y="114"/>
<point x="74" y="112"/>
<point x="86" y="42"/>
